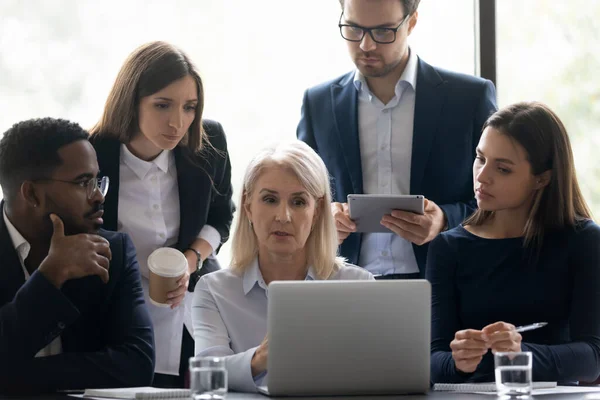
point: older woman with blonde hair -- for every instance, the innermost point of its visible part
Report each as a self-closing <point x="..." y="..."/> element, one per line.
<point x="285" y="231"/>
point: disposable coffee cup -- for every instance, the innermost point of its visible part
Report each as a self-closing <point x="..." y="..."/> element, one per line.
<point x="166" y="266"/>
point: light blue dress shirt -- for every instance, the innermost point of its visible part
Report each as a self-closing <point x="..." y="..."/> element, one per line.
<point x="229" y="314"/>
<point x="385" y="135"/>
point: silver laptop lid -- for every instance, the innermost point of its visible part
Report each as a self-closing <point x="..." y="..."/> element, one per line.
<point x="349" y="337"/>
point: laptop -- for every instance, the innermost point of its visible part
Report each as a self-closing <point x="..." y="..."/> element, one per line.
<point x="348" y="337"/>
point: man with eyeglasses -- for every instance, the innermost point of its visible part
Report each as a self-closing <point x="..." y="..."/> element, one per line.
<point x="395" y="125"/>
<point x="72" y="311"/>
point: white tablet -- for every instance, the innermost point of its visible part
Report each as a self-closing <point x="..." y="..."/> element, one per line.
<point x="366" y="210"/>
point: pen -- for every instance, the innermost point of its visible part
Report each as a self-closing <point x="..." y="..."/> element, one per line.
<point x="531" y="327"/>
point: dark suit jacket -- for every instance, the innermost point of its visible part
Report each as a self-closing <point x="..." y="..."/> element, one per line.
<point x="450" y="110"/>
<point x="105" y="329"/>
<point x="204" y="189"/>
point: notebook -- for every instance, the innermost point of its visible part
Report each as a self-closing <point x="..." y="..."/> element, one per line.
<point x="141" y="393"/>
<point x="482" y="387"/>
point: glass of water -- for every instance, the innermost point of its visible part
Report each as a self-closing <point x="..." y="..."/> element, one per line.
<point x="513" y="374"/>
<point x="208" y="378"/>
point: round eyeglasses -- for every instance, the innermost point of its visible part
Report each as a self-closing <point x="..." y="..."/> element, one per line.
<point x="90" y="185"/>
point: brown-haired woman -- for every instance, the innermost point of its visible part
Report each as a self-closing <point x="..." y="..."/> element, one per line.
<point x="170" y="183"/>
<point x="530" y="253"/>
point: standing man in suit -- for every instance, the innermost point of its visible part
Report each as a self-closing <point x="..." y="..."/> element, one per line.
<point x="395" y="125"/>
<point x="72" y="311"/>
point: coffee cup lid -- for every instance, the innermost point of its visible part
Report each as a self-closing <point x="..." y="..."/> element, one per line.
<point x="168" y="262"/>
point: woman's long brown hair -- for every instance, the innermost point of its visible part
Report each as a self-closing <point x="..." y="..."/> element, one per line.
<point x="543" y="136"/>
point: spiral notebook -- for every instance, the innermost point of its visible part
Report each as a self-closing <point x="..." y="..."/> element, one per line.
<point x="482" y="387"/>
<point x="140" y="393"/>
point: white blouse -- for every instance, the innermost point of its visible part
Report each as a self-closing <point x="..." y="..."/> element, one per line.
<point x="149" y="212"/>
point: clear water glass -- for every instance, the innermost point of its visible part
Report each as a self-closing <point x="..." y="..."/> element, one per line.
<point x="513" y="374"/>
<point x="208" y="378"/>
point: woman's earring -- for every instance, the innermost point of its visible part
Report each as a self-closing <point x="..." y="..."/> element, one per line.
<point x="251" y="225"/>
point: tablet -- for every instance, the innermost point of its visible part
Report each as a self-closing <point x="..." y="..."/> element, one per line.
<point x="366" y="210"/>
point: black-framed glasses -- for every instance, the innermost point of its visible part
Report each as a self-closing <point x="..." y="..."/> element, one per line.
<point x="90" y="185"/>
<point x="355" y="33"/>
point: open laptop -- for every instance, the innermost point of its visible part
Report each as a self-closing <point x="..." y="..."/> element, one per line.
<point x="348" y="337"/>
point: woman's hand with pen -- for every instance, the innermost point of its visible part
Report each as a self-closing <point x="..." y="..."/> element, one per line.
<point x="468" y="349"/>
<point x="502" y="336"/>
<point x="470" y="345"/>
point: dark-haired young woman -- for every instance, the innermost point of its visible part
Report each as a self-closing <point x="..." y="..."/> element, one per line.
<point x="530" y="253"/>
<point x="170" y="183"/>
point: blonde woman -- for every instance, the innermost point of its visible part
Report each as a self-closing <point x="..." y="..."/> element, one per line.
<point x="285" y="231"/>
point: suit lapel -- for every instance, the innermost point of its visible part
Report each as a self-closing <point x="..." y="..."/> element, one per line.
<point x="11" y="272"/>
<point x="344" y="98"/>
<point x="429" y="99"/>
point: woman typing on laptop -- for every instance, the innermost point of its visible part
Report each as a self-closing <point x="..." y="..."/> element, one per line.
<point x="529" y="253"/>
<point x="285" y="231"/>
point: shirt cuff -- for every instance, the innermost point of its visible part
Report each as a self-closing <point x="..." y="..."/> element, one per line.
<point x="212" y="236"/>
<point x="239" y="372"/>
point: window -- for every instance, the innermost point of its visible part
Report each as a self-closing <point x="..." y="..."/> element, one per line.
<point x="60" y="58"/>
<point x="548" y="51"/>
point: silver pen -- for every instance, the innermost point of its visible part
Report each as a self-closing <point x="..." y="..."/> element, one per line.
<point x="531" y="327"/>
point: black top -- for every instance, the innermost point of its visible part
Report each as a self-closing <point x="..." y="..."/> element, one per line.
<point x="106" y="332"/>
<point x="477" y="281"/>
<point x="204" y="182"/>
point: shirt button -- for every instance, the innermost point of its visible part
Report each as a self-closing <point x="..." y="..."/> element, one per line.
<point x="384" y="253"/>
<point x="153" y="179"/>
<point x="61" y="325"/>
<point x="161" y="235"/>
<point x="155" y="206"/>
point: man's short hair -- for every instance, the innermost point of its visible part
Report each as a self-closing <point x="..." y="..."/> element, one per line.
<point x="410" y="6"/>
<point x="29" y="150"/>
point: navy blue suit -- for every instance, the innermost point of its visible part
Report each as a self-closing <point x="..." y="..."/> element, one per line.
<point x="450" y="110"/>
<point x="106" y="332"/>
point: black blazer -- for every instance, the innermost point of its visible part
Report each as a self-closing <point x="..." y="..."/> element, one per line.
<point x="105" y="329"/>
<point x="204" y="189"/>
<point x="450" y="110"/>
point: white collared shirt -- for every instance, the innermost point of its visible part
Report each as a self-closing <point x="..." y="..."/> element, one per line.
<point x="23" y="247"/>
<point x="385" y="135"/>
<point x="149" y="212"/>
<point x="230" y="317"/>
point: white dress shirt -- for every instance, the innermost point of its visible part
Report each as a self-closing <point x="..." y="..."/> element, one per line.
<point x="149" y="212"/>
<point x="230" y="318"/>
<point x="23" y="247"/>
<point x="385" y="135"/>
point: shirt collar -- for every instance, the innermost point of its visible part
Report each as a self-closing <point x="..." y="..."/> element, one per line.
<point x="409" y="75"/>
<point x="20" y="244"/>
<point x="252" y="277"/>
<point x="141" y="167"/>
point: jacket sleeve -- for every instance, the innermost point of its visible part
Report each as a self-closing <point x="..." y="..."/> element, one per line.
<point x="222" y="208"/>
<point x="126" y="360"/>
<point x="457" y="212"/>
